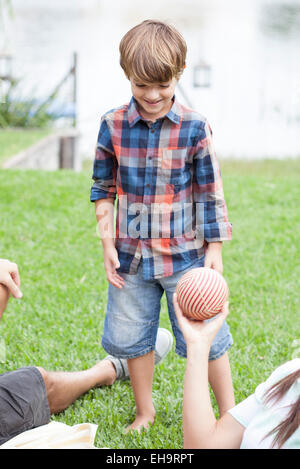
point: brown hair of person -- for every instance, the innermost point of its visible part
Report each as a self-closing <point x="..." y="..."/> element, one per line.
<point x="152" y="52"/>
<point x="287" y="427"/>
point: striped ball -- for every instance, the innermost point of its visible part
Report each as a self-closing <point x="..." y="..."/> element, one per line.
<point x="201" y="293"/>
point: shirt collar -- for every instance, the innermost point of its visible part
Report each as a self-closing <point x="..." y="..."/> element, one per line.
<point x="174" y="115"/>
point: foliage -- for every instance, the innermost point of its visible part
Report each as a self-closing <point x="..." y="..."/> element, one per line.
<point x="5" y="5"/>
<point x="26" y="113"/>
<point x="16" y="111"/>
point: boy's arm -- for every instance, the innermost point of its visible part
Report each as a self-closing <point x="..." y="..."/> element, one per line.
<point x="103" y="193"/>
<point x="104" y="209"/>
<point x="208" y="194"/>
<point x="105" y="166"/>
<point x="213" y="256"/>
<point x="105" y="219"/>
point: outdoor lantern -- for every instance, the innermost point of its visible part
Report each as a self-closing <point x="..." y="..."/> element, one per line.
<point x="202" y="75"/>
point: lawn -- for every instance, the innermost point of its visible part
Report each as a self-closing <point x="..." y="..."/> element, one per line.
<point x="14" y="140"/>
<point x="48" y="227"/>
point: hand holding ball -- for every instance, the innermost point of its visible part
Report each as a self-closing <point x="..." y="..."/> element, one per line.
<point x="201" y="293"/>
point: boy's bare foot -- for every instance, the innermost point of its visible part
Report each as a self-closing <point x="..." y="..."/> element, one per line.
<point x="141" y="423"/>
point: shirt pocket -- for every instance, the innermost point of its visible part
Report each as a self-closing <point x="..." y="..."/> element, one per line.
<point x="172" y="167"/>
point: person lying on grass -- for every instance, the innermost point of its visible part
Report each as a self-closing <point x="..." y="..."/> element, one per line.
<point x="267" y="419"/>
<point x="28" y="396"/>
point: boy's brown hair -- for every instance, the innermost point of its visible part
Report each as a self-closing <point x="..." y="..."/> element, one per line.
<point x="153" y="52"/>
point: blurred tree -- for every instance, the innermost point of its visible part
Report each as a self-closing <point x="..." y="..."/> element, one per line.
<point x="6" y="10"/>
<point x="5" y="6"/>
<point x="281" y="19"/>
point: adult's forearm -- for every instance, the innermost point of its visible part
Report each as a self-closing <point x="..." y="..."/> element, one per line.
<point x="198" y="416"/>
<point x="105" y="218"/>
<point x="4" y="297"/>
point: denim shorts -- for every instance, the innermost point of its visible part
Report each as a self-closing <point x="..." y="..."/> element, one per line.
<point x="132" y="317"/>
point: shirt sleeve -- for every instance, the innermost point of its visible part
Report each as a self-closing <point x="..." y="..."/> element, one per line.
<point x="281" y="372"/>
<point x="245" y="410"/>
<point x="105" y="166"/>
<point x="212" y="219"/>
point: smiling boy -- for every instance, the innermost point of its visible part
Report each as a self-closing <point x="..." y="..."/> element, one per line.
<point x="154" y="99"/>
<point x="156" y="151"/>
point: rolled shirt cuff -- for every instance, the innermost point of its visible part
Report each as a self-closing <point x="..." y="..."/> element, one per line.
<point x="214" y="232"/>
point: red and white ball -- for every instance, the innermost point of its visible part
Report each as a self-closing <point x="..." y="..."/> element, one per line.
<point x="201" y="293"/>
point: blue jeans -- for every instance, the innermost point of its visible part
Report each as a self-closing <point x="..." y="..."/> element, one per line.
<point x="132" y="317"/>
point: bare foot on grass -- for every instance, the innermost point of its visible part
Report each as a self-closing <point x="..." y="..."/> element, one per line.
<point x="141" y="423"/>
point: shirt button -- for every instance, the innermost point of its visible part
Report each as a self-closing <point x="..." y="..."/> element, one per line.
<point x="152" y="131"/>
<point x="148" y="185"/>
<point x="150" y="157"/>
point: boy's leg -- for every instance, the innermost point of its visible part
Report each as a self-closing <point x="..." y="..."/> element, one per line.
<point x="28" y="396"/>
<point x="219" y="376"/>
<point x="219" y="367"/>
<point x="141" y="376"/>
<point x="130" y="331"/>
<point x="63" y="388"/>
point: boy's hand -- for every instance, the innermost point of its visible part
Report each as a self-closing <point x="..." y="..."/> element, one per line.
<point x="213" y="257"/>
<point x="10" y="278"/>
<point x="196" y="332"/>
<point x="111" y="263"/>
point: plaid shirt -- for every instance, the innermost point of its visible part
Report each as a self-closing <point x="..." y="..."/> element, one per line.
<point x="169" y="188"/>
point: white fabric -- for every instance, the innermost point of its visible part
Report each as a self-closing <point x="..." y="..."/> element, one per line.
<point x="260" y="418"/>
<point x="55" y="435"/>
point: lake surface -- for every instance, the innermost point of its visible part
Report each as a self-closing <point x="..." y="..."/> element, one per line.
<point x="251" y="46"/>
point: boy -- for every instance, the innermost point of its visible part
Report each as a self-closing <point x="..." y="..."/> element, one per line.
<point x="153" y="153"/>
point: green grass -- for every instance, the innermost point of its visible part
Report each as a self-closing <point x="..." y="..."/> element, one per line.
<point x="14" y="140"/>
<point x="48" y="227"/>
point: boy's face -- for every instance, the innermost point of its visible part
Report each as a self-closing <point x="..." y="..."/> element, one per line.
<point x="155" y="99"/>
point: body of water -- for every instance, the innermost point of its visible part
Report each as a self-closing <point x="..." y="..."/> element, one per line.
<point x="251" y="46"/>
